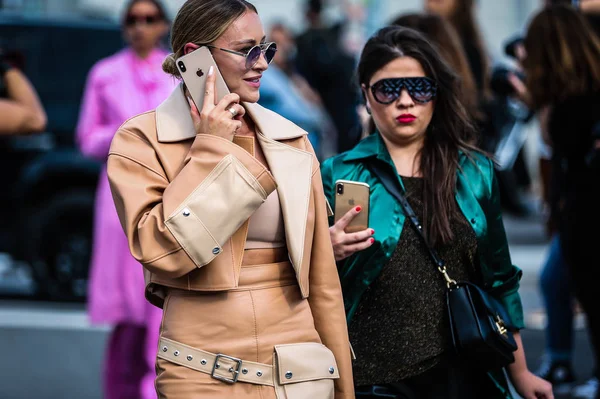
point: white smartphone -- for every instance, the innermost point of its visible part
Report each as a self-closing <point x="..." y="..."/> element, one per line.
<point x="193" y="68"/>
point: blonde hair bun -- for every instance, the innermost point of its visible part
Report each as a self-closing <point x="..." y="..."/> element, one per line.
<point x="169" y="66"/>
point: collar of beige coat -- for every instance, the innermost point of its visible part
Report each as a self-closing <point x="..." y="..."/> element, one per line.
<point x="291" y="167"/>
<point x="174" y="123"/>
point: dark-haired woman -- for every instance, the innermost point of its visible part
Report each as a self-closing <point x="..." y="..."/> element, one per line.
<point x="394" y="294"/>
<point x="564" y="76"/>
<point x="119" y="87"/>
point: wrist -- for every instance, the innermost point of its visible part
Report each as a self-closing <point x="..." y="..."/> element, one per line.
<point x="517" y="371"/>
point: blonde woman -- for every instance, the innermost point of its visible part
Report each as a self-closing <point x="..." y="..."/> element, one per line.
<point x="224" y="207"/>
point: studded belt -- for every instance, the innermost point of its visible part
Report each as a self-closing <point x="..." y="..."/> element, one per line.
<point x="221" y="367"/>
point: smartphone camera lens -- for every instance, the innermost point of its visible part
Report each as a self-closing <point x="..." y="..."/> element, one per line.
<point x="340" y="189"/>
<point x="182" y="67"/>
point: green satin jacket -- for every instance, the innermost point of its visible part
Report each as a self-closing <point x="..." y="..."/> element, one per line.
<point x="478" y="199"/>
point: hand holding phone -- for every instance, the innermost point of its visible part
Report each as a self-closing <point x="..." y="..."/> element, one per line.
<point x="220" y="119"/>
<point x="349" y="195"/>
<point x="350" y="233"/>
<point x="213" y="109"/>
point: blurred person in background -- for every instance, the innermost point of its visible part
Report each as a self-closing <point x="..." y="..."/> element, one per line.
<point x="564" y="76"/>
<point x="119" y="87"/>
<point x="394" y="293"/>
<point x="329" y="69"/>
<point x="21" y="111"/>
<point x="285" y="91"/>
<point x="555" y="284"/>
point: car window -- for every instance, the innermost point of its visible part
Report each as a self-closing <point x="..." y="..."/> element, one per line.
<point x="57" y="59"/>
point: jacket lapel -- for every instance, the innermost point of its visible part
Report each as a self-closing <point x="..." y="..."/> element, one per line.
<point x="292" y="169"/>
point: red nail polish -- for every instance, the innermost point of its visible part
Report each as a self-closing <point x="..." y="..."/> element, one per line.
<point x="372" y="231"/>
<point x="372" y="240"/>
<point x="358" y="209"/>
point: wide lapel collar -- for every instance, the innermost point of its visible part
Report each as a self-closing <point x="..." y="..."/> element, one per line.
<point x="173" y="120"/>
<point x="292" y="169"/>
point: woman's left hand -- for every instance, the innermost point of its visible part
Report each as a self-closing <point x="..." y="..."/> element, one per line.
<point x="529" y="386"/>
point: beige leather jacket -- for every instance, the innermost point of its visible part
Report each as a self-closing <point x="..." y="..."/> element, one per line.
<point x="184" y="201"/>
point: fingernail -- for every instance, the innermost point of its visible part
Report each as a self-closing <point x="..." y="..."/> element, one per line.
<point x="358" y="209"/>
<point x="372" y="240"/>
<point x="372" y="231"/>
<point x="211" y="70"/>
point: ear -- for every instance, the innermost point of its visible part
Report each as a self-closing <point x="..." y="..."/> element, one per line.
<point x="189" y="47"/>
<point x="363" y="89"/>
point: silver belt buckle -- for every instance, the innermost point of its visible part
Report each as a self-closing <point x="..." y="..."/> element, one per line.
<point x="236" y="371"/>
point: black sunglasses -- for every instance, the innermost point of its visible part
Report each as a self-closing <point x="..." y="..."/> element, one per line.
<point x="421" y="89"/>
<point x="132" y="20"/>
<point x="253" y="55"/>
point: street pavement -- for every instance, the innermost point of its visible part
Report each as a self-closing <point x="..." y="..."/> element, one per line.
<point x="49" y="350"/>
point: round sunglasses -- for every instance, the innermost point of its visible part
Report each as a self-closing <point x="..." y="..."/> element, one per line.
<point x="253" y="55"/>
<point x="421" y="89"/>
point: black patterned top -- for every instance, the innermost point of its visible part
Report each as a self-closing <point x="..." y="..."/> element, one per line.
<point x="400" y="328"/>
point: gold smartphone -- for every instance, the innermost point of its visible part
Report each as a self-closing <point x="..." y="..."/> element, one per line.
<point x="193" y="68"/>
<point x="350" y="194"/>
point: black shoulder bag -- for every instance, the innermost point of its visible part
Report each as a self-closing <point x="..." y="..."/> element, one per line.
<point x="479" y="325"/>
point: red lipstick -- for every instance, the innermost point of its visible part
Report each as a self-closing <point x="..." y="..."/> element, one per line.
<point x="406" y="118"/>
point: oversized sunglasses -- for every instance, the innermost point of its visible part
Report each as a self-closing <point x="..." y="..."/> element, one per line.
<point x="253" y="55"/>
<point x="421" y="89"/>
<point x="132" y="20"/>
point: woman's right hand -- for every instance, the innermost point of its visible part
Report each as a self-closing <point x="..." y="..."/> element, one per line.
<point x="345" y="244"/>
<point x="218" y="120"/>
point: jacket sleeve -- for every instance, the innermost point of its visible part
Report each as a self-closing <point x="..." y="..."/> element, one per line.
<point x="326" y="295"/>
<point x="94" y="134"/>
<point x="506" y="276"/>
<point x="176" y="226"/>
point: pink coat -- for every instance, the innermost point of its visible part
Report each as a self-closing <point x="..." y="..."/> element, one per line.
<point x="118" y="87"/>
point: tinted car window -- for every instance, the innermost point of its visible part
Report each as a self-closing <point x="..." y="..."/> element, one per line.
<point x="57" y="58"/>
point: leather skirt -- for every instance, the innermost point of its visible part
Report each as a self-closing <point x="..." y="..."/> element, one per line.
<point x="265" y="310"/>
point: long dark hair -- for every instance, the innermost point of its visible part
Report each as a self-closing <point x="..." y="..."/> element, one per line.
<point x="449" y="132"/>
<point x="568" y="64"/>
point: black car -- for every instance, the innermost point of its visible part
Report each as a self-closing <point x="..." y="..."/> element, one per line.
<point x="48" y="187"/>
